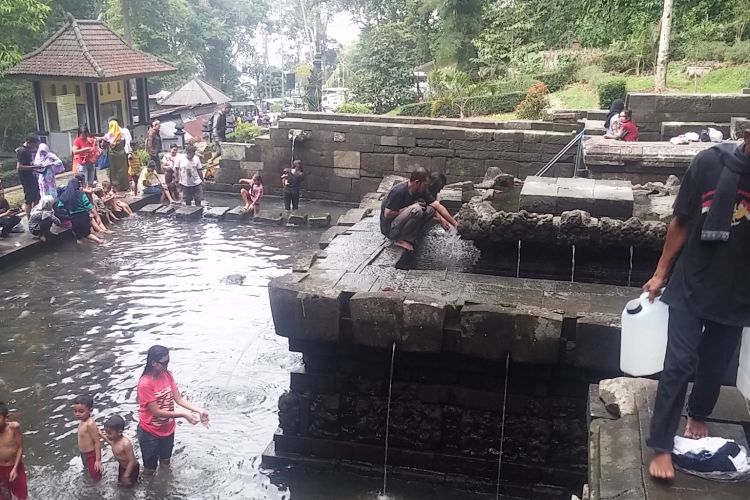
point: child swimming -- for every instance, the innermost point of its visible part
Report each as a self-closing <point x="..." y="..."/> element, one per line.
<point x="122" y="449"/>
<point x="88" y="436"/>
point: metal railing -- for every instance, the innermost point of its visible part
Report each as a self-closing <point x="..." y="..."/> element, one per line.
<point x="577" y="140"/>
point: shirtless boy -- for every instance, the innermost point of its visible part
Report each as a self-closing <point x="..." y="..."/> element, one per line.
<point x="88" y="436"/>
<point x="122" y="449"/>
<point x="12" y="471"/>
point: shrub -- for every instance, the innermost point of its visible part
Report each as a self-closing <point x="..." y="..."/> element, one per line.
<point x="739" y="53"/>
<point x="444" y="107"/>
<point x="356" y="108"/>
<point x="517" y="84"/>
<point x="9" y="178"/>
<point x="557" y="79"/>
<point x="707" y="51"/>
<point x="415" y="109"/>
<point x="245" y="132"/>
<point x="532" y="107"/>
<point x="609" y="90"/>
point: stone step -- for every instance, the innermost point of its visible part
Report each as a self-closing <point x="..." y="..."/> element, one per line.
<point x="237" y="214"/>
<point x="216" y="212"/>
<point x="166" y="211"/>
<point x="352" y="216"/>
<point x="149" y="209"/>
<point x="189" y="213"/>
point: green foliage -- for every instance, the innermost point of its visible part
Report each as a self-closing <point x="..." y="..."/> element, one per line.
<point x="458" y="22"/>
<point x="356" y="108"/>
<point x="142" y="156"/>
<point x="245" y="132"/>
<point x="9" y="178"/>
<point x="563" y="74"/>
<point x="16" y="112"/>
<point x="415" y="109"/>
<point x="518" y="84"/>
<point x="535" y="102"/>
<point x="611" y="89"/>
<point x="736" y="53"/>
<point x="482" y="105"/>
<point x="19" y="20"/>
<point x="384" y="62"/>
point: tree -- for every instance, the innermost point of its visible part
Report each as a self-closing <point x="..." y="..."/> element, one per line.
<point x="662" y="59"/>
<point x="19" y="21"/>
<point x="459" y="22"/>
<point x="383" y="67"/>
<point x="451" y="85"/>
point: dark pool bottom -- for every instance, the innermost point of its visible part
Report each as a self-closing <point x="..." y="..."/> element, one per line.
<point x="445" y="420"/>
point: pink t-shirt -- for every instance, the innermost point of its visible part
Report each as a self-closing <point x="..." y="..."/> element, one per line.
<point x="161" y="390"/>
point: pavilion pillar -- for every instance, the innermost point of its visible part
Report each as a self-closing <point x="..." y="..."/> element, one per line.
<point x="141" y="92"/>
<point x="128" y="104"/>
<point x="38" y="105"/>
<point x="92" y="107"/>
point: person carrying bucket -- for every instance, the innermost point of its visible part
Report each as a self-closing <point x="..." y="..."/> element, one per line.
<point x="708" y="292"/>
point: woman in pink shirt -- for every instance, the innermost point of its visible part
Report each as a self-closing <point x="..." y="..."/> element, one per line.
<point x="157" y="395"/>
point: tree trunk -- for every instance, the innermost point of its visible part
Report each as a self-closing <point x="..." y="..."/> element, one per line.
<point x="127" y="24"/>
<point x="662" y="59"/>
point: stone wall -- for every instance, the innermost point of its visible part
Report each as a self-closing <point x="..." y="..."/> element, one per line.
<point x="651" y="110"/>
<point x="345" y="159"/>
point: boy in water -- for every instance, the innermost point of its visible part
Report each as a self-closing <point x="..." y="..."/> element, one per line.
<point x="12" y="471"/>
<point x="122" y="449"/>
<point x="88" y="436"/>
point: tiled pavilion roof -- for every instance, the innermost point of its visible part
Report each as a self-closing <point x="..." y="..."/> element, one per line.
<point x="88" y="50"/>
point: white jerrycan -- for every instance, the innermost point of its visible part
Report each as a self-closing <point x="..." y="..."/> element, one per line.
<point x="643" y="340"/>
<point x="743" y="373"/>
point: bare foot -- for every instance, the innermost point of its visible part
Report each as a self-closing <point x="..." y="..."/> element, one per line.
<point x="405" y="245"/>
<point x="695" y="429"/>
<point x="661" y="466"/>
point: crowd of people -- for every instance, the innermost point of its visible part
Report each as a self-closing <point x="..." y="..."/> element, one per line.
<point x="157" y="395"/>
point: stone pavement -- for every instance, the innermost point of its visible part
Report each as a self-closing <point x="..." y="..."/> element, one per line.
<point x="620" y="412"/>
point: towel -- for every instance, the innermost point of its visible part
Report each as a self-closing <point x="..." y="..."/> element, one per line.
<point x="718" y="222"/>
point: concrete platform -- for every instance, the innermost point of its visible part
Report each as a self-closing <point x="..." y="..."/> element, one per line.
<point x="216" y="212"/>
<point x="166" y="211"/>
<point x="619" y="457"/>
<point x="237" y="214"/>
<point x="150" y="209"/>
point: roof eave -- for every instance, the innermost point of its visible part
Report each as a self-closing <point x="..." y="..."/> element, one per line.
<point x="78" y="78"/>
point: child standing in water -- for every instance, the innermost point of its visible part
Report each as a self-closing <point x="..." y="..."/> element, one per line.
<point x="122" y="449"/>
<point x="12" y="471"/>
<point x="88" y="436"/>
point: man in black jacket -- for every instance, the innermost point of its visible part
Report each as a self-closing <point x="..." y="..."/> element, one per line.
<point x="219" y="127"/>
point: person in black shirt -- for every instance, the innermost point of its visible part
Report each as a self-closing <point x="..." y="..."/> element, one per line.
<point x="408" y="206"/>
<point x="27" y="173"/>
<point x="707" y="293"/>
<point x="291" y="178"/>
<point x="8" y="218"/>
<point x="219" y="126"/>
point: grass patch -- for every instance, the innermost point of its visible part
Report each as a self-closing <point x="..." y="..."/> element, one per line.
<point x="498" y="117"/>
<point x="578" y="96"/>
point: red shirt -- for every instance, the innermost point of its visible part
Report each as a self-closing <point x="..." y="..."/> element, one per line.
<point x="630" y="131"/>
<point x="80" y="143"/>
<point x="161" y="390"/>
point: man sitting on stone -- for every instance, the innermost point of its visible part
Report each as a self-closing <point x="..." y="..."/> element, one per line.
<point x="408" y="207"/>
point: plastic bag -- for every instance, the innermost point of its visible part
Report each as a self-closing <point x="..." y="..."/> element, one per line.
<point x="102" y="163"/>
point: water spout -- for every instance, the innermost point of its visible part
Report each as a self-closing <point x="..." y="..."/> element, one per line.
<point x="502" y="427"/>
<point x="383" y="494"/>
<point x="573" y="265"/>
<point x="518" y="261"/>
<point x="630" y="269"/>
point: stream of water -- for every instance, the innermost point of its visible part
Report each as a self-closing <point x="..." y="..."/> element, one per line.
<point x="79" y="319"/>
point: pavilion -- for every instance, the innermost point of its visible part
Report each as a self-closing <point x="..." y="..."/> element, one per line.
<point x="82" y="75"/>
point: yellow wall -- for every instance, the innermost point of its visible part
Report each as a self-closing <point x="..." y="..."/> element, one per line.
<point x="52" y="89"/>
<point x="112" y="91"/>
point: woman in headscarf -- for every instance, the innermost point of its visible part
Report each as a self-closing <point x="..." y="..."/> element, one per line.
<point x="118" y="161"/>
<point x="78" y="206"/>
<point x="42" y="217"/>
<point x="612" y="123"/>
<point x="48" y="165"/>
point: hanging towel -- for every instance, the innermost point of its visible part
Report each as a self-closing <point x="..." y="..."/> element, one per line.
<point x="718" y="222"/>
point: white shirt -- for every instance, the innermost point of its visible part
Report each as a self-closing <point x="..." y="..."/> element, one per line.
<point x="128" y="140"/>
<point x="189" y="171"/>
<point x="171" y="161"/>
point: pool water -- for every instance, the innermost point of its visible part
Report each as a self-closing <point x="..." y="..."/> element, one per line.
<point x="79" y="319"/>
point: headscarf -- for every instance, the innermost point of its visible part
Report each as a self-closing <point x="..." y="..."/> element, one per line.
<point x="114" y="135"/>
<point x="48" y="160"/>
<point x="614" y="110"/>
<point x="45" y="207"/>
<point x="71" y="194"/>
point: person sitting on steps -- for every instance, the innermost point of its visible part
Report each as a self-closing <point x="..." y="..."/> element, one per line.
<point x="408" y="207"/>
